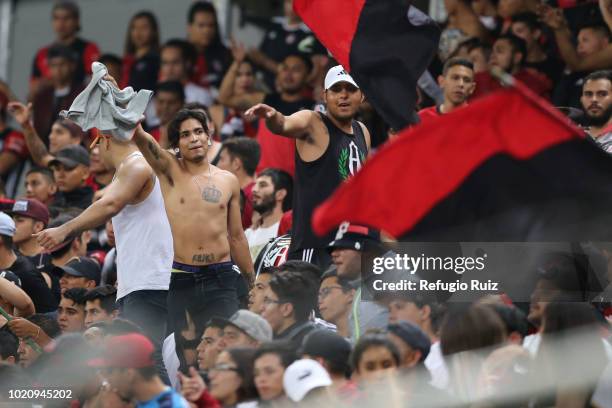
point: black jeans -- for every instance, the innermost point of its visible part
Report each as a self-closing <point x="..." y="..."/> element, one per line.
<point x="148" y="309"/>
<point x="211" y="291"/>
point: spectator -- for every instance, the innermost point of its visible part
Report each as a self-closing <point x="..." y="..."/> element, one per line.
<point x="258" y="291"/>
<point x="508" y="8"/>
<point x="271" y="195"/>
<point x="13" y="152"/>
<point x="425" y="312"/>
<point x="332" y="352"/>
<point x="596" y="102"/>
<point x="244" y="329"/>
<point x="352" y="243"/>
<point x="479" y="54"/>
<point x="412" y="343"/>
<point x="528" y="27"/>
<point x="208" y="349"/>
<point x="270" y="362"/>
<point x="213" y="57"/>
<point x="177" y="61"/>
<point x="509" y="53"/>
<point x="231" y="379"/>
<point x="114" y="65"/>
<point x="140" y="65"/>
<point x="100" y="305"/>
<point x="462" y="17"/>
<point x="13" y="299"/>
<point x="64" y="133"/>
<point x="9" y="344"/>
<point x="66" y="25"/>
<point x="81" y="272"/>
<point x="374" y="358"/>
<point x="70" y="171"/>
<point x="40" y="185"/>
<point x="457" y="83"/>
<point x="100" y="174"/>
<point x="289" y="301"/>
<point x="73" y="247"/>
<point x="287" y="35"/>
<point x="169" y="99"/>
<point x="127" y="364"/>
<point x="336" y="297"/>
<point x="32" y="282"/>
<point x="49" y="328"/>
<point x="487" y="13"/>
<point x="515" y="321"/>
<point x="240" y="156"/>
<point x="292" y="77"/>
<point x="306" y="381"/>
<point x="71" y="310"/>
<point x="64" y="86"/>
<point x="238" y="83"/>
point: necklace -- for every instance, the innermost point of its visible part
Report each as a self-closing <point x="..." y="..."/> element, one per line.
<point x="210" y="193"/>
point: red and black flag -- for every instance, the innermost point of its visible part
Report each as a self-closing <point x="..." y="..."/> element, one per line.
<point x="509" y="167"/>
<point x="385" y="45"/>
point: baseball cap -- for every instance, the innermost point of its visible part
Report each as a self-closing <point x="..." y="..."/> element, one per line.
<point x="71" y="156"/>
<point x="31" y="208"/>
<point x="7" y="225"/>
<point x="412" y="335"/>
<point x="251" y="323"/>
<point x="83" y="267"/>
<point x="303" y="376"/>
<point x="328" y="345"/>
<point x="338" y="74"/>
<point x="357" y="237"/>
<point x="127" y="351"/>
<point x="11" y="276"/>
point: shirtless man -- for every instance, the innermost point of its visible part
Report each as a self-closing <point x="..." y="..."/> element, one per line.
<point x="203" y="207"/>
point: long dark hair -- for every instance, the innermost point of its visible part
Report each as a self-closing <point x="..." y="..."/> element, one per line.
<point x="129" y="48"/>
<point x="206" y="7"/>
<point x="244" y="358"/>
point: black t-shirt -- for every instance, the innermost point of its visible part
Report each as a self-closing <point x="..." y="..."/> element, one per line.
<point x="280" y="42"/>
<point x="287" y="108"/>
<point x="79" y="198"/>
<point x="42" y="263"/>
<point x="33" y="283"/>
<point x="550" y="67"/>
<point x="142" y="73"/>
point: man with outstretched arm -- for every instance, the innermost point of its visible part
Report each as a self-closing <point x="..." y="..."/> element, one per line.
<point x="203" y="207"/>
<point x="330" y="148"/>
<point x="142" y="236"/>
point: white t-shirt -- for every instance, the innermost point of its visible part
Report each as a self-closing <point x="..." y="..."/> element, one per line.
<point x="195" y="93"/>
<point x="437" y="367"/>
<point x="260" y="237"/>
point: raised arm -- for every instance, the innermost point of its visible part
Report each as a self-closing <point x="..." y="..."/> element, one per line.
<point x="239" y="246"/>
<point x="14" y="295"/>
<point x="23" y="116"/>
<point x="226" y="91"/>
<point x="129" y="181"/>
<point x="600" y="60"/>
<point x="296" y="126"/>
<point x="606" y="11"/>
<point x="159" y="159"/>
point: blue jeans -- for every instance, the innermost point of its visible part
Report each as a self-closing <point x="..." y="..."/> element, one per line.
<point x="148" y="309"/>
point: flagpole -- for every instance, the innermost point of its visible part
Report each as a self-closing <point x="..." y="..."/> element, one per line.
<point x="28" y="340"/>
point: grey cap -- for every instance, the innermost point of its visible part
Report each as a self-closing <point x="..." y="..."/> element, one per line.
<point x="251" y="323"/>
<point x="7" y="225"/>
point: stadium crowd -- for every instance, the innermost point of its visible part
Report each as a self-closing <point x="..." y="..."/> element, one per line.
<point x="179" y="268"/>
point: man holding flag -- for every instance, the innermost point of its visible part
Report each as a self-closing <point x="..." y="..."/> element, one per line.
<point x="330" y="148"/>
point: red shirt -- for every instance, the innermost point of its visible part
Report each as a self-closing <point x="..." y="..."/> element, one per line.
<point x="88" y="52"/>
<point x="539" y="83"/>
<point x="276" y="151"/>
<point x="247" y="214"/>
<point x="14" y="142"/>
<point x="429" y="114"/>
<point x="286" y="223"/>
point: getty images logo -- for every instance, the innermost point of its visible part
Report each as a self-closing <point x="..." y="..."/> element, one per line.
<point x="415" y="264"/>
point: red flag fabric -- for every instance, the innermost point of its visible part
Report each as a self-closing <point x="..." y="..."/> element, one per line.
<point x="427" y="163"/>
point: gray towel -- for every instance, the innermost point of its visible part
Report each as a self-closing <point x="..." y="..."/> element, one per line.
<point x="110" y="110"/>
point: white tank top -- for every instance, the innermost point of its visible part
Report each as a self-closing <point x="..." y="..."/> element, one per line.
<point x="144" y="245"/>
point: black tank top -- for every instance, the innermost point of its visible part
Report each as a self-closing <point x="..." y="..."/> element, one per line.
<point x="315" y="181"/>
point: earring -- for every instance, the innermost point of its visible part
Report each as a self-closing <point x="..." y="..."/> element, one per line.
<point x="209" y="142"/>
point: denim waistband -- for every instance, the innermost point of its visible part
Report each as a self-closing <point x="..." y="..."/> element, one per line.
<point x="178" y="267"/>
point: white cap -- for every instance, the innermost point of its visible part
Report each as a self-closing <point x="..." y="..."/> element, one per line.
<point x="303" y="376"/>
<point x="338" y="74"/>
<point x="7" y="225"/>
